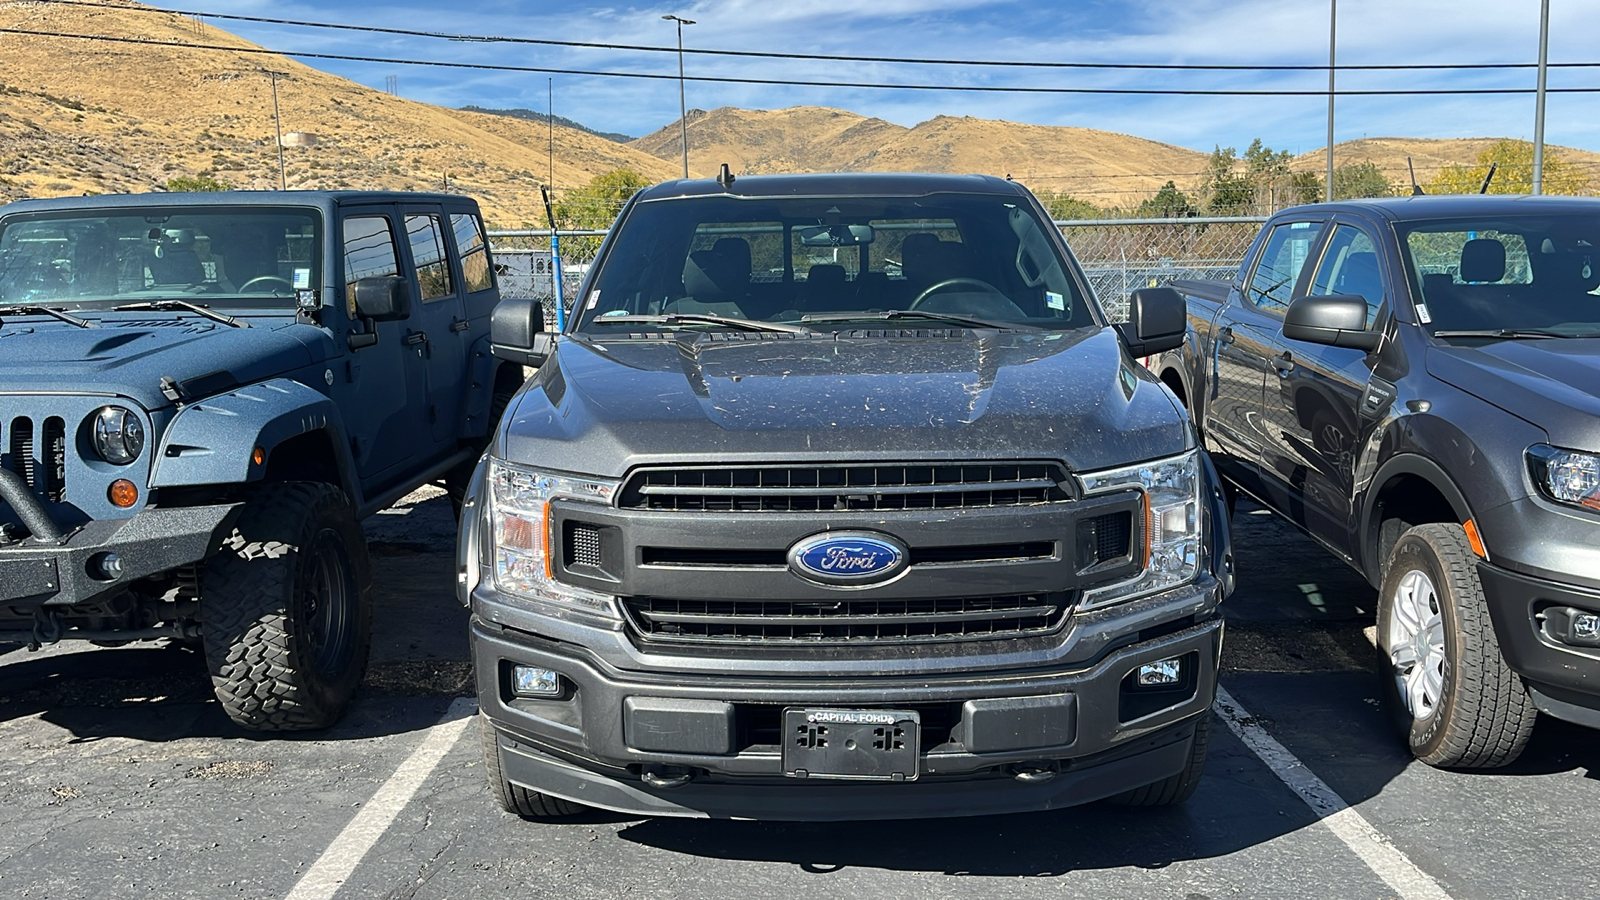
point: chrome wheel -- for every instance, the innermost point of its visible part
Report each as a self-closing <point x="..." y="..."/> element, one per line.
<point x="1415" y="642"/>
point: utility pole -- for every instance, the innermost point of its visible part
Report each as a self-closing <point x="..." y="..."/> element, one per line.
<point x="1538" y="99"/>
<point x="683" y="109"/>
<point x="1333" y="22"/>
<point x="277" y="120"/>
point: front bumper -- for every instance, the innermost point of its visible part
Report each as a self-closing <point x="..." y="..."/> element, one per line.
<point x="1072" y="721"/>
<point x="1563" y="679"/>
<point x="44" y="573"/>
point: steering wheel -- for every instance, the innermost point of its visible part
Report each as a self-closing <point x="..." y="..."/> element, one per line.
<point x="259" y="279"/>
<point x="952" y="282"/>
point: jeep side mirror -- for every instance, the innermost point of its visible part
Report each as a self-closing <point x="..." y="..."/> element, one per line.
<point x="516" y="332"/>
<point x="1157" y="321"/>
<point x="1336" y="320"/>
<point x="383" y="298"/>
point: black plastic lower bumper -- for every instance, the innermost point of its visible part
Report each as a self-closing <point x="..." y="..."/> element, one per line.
<point x="35" y="572"/>
<point x="1564" y="679"/>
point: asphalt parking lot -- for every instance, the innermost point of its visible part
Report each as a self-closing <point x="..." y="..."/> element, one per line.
<point x="120" y="777"/>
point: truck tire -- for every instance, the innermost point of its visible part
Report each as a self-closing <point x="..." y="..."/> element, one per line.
<point x="1445" y="683"/>
<point x="513" y="798"/>
<point x="1177" y="788"/>
<point x="286" y="609"/>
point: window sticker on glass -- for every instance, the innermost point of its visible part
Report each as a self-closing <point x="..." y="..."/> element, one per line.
<point x="302" y="278"/>
<point x="1055" y="301"/>
<point x="1423" y="314"/>
<point x="594" y="298"/>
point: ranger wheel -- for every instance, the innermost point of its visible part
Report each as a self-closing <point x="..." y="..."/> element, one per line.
<point x="1177" y="788"/>
<point x="286" y="609"/>
<point x="1447" y="686"/>
<point x="514" y="798"/>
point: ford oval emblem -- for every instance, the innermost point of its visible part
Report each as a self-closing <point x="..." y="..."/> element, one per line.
<point x="848" y="558"/>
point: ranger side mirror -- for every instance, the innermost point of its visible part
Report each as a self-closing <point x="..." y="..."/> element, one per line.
<point x="383" y="298"/>
<point x="1336" y="320"/>
<point x="1157" y="321"/>
<point x="516" y="332"/>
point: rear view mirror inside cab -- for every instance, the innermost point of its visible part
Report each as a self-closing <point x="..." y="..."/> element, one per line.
<point x="835" y="235"/>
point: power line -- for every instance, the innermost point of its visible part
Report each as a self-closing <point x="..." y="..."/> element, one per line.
<point x="753" y="54"/>
<point x="865" y="85"/>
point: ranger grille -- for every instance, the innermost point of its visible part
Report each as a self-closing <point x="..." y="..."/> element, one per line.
<point x="862" y="487"/>
<point x="846" y="620"/>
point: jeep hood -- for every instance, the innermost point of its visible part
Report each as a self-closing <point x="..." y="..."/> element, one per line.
<point x="130" y="356"/>
<point x="601" y="407"/>
<point x="1554" y="384"/>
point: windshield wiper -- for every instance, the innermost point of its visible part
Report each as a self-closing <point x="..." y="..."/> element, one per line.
<point x="887" y="315"/>
<point x="196" y="308"/>
<point x="1509" y="333"/>
<point x="699" y="319"/>
<point x="26" y="308"/>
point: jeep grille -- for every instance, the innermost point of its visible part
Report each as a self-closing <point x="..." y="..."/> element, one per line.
<point x="38" y="453"/>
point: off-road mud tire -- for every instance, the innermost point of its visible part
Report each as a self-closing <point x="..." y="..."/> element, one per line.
<point x="259" y="618"/>
<point x="1177" y="788"/>
<point x="513" y="798"/>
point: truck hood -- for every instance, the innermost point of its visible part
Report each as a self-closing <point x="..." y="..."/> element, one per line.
<point x="1554" y="384"/>
<point x="600" y="407"/>
<point x="130" y="355"/>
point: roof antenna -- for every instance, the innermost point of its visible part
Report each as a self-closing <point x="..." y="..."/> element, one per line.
<point x="725" y="177"/>
<point x="1488" y="178"/>
<point x="1416" y="189"/>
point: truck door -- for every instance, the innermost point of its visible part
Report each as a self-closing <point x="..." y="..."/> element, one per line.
<point x="1243" y="340"/>
<point x="441" y="322"/>
<point x="387" y="376"/>
<point x="1317" y="400"/>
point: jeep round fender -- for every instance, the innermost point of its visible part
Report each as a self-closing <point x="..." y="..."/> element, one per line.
<point x="213" y="441"/>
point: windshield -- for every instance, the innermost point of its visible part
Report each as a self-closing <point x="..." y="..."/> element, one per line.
<point x="980" y="260"/>
<point x="242" y="256"/>
<point x="1506" y="273"/>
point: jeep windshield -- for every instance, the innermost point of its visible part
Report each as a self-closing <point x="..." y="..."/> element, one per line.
<point x="1507" y="277"/>
<point x="104" y="259"/>
<point x="965" y="260"/>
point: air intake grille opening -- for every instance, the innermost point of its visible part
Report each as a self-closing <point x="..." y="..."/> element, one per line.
<point x="1106" y="539"/>
<point x="19" y="455"/>
<point x="55" y="459"/>
<point x="843" y="488"/>
<point x="583" y="545"/>
<point x="846" y="620"/>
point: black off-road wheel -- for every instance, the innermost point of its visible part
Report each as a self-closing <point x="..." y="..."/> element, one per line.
<point x="286" y="609"/>
<point x="1448" y="689"/>
<point x="1177" y="788"/>
<point x="513" y="798"/>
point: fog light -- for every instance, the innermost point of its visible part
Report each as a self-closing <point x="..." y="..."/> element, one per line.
<point x="1165" y="673"/>
<point x="1586" y="626"/>
<point x="105" y="566"/>
<point x="1570" y="626"/>
<point x="530" y="681"/>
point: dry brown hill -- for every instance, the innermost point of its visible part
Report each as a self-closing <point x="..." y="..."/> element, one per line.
<point x="1100" y="166"/>
<point x="1428" y="155"/>
<point x="80" y="115"/>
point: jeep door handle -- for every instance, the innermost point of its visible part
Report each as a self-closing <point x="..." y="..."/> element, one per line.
<point x="460" y="325"/>
<point x="416" y="337"/>
<point x="1284" y="363"/>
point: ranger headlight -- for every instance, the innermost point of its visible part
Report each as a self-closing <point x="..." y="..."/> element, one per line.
<point x="520" y="527"/>
<point x="1566" y="476"/>
<point x="118" y="434"/>
<point x="1171" y="509"/>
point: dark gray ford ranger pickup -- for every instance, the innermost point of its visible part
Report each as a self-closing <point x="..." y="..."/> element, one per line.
<point x="839" y="499"/>
<point x="201" y="394"/>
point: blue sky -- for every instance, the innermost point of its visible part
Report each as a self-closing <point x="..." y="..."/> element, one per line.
<point x="1145" y="31"/>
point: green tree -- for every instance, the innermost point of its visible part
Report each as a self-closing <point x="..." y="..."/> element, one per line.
<point x="1226" y="191"/>
<point x="596" y="204"/>
<point x="1062" y="205"/>
<point x="1362" y="179"/>
<point x="1168" y="203"/>
<point x="197" y="183"/>
<point x="1514" y="172"/>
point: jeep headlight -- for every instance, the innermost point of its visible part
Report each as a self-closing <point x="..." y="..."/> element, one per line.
<point x="520" y="527"/>
<point x="1566" y="476"/>
<point x="1171" y="511"/>
<point x="118" y="435"/>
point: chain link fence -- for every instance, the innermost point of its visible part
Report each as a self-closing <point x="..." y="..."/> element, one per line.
<point x="1118" y="255"/>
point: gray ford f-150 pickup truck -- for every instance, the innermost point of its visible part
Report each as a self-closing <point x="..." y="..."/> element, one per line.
<point x="839" y="498"/>
<point x="1416" y="383"/>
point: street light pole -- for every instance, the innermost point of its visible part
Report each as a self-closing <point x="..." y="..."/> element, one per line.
<point x="683" y="109"/>
<point x="1538" y="102"/>
<point x="277" y="124"/>
<point x="1333" y="22"/>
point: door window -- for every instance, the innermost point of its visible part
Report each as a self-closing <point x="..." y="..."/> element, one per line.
<point x="369" y="251"/>
<point x="475" y="268"/>
<point x="1282" y="258"/>
<point x="1350" y="266"/>
<point x="428" y="255"/>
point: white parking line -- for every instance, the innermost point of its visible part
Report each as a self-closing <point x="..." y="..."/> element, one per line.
<point x="329" y="872"/>
<point x="1381" y="856"/>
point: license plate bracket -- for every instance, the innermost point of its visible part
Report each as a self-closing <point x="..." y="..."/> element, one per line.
<point x="851" y="744"/>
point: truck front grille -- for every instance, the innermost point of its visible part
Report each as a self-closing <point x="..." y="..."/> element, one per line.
<point x="861" y="487"/>
<point x="39" y="454"/>
<point x="846" y="620"/>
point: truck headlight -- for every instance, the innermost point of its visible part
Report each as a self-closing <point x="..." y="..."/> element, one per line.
<point x="118" y="435"/>
<point x="1171" y="550"/>
<point x="1566" y="476"/>
<point x="519" y="525"/>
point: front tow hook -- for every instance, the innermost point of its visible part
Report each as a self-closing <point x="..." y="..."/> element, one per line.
<point x="665" y="778"/>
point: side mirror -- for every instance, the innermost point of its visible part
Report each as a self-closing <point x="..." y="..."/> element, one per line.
<point x="383" y="298"/>
<point x="1157" y="321"/>
<point x="1337" y="320"/>
<point x="516" y="332"/>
